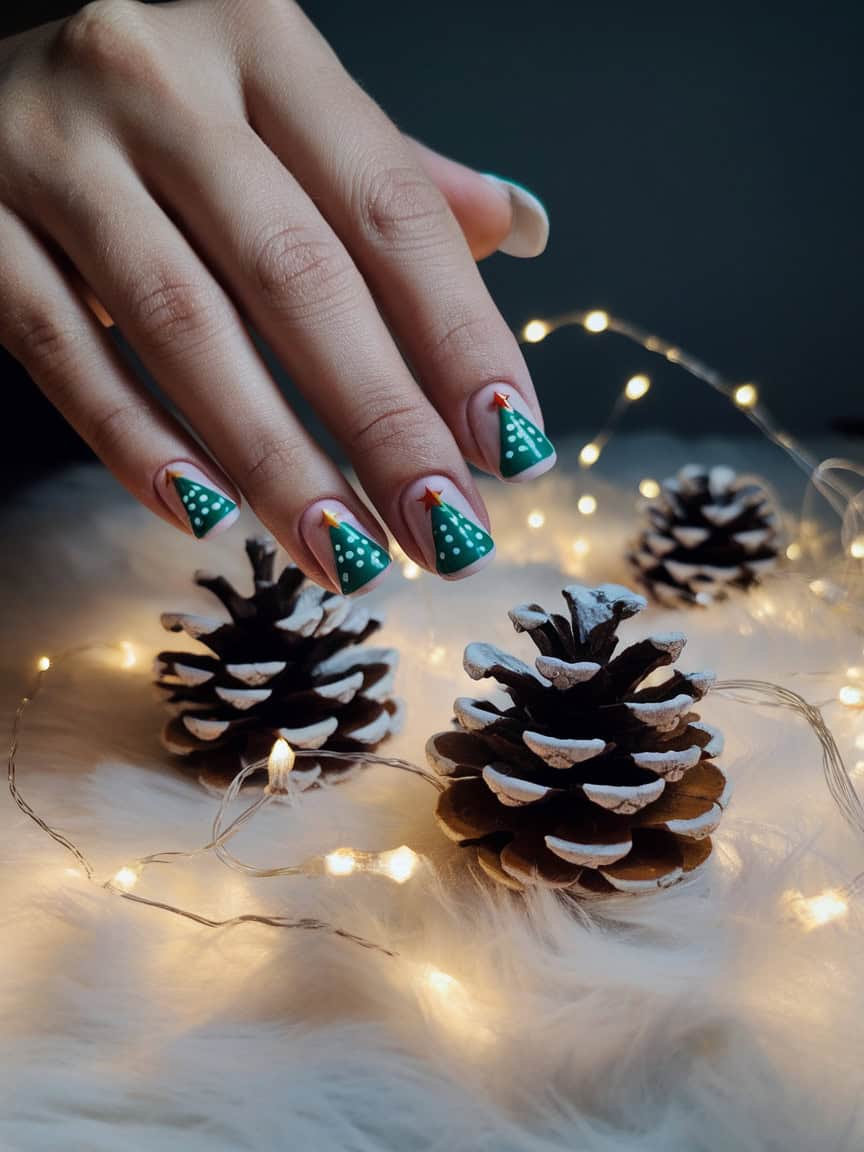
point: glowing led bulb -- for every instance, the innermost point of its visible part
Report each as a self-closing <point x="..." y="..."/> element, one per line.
<point x="536" y="519"/>
<point x="535" y="331"/>
<point x="856" y="548"/>
<point x="280" y="763"/>
<point x="43" y="663"/>
<point x="130" y="659"/>
<point x="745" y="395"/>
<point x="850" y="696"/>
<point x="399" y="864"/>
<point x="581" y="546"/>
<point x="590" y="454"/>
<point x="125" y="878"/>
<point x="814" y="911"/>
<point x="587" y="505"/>
<point x="597" y="321"/>
<point x="341" y="862"/>
<point x="441" y="982"/>
<point x="793" y="552"/>
<point x="649" y="488"/>
<point x="636" y="387"/>
<point x="410" y="570"/>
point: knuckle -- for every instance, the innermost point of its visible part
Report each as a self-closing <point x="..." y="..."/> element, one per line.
<point x="109" y="38"/>
<point x="40" y="340"/>
<point x="401" y="207"/>
<point x="263" y="471"/>
<point x="300" y="272"/>
<point x="387" y="427"/>
<point x="176" y="315"/>
<point x="459" y="336"/>
<point x="116" y="431"/>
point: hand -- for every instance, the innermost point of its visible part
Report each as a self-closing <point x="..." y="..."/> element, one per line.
<point x="192" y="167"/>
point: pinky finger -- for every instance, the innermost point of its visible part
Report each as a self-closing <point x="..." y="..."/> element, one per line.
<point x="45" y="324"/>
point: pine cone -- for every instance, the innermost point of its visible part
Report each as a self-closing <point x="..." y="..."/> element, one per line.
<point x="709" y="530"/>
<point x="587" y="782"/>
<point x="288" y="664"/>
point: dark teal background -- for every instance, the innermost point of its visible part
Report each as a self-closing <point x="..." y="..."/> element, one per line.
<point x="702" y="168"/>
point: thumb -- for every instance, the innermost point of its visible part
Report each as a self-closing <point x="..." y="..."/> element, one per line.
<point x="496" y="215"/>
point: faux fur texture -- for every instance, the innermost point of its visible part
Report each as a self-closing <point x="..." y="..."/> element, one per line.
<point x="705" y="1018"/>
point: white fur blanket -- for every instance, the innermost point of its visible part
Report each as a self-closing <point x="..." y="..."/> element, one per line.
<point x="706" y="1017"/>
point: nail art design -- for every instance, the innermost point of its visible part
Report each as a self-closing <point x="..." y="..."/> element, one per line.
<point x="522" y="443"/>
<point x="358" y="558"/>
<point x="205" y="507"/>
<point x="458" y="541"/>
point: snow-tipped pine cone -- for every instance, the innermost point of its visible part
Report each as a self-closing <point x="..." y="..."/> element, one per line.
<point x="708" y="530"/>
<point x="291" y="662"/>
<point x="590" y="781"/>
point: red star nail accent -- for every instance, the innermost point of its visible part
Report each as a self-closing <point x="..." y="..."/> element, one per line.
<point x="502" y="399"/>
<point x="430" y="499"/>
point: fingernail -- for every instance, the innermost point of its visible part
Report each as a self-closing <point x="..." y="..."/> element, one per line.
<point x="350" y="558"/>
<point x="529" y="230"/>
<point x="195" y="499"/>
<point x="444" y="528"/>
<point x="511" y="444"/>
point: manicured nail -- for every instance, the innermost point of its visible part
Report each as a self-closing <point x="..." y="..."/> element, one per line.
<point x="529" y="230"/>
<point x="442" y="523"/>
<point x="195" y="499"/>
<point x="511" y="444"/>
<point x="350" y="558"/>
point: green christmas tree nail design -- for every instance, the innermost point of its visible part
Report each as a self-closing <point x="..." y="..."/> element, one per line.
<point x="204" y="506"/>
<point x="522" y="443"/>
<point x="359" y="559"/>
<point x="458" y="540"/>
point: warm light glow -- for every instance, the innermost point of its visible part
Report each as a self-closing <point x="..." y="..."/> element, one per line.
<point x="590" y="454"/>
<point x="850" y="696"/>
<point x="341" y="862"/>
<point x="410" y="570"/>
<point x="581" y="546"/>
<point x="814" y="911"/>
<point x="437" y="654"/>
<point x="856" y="548"/>
<point x="130" y="658"/>
<point x="854" y="672"/>
<point x="745" y="395"/>
<point x="125" y="878"/>
<point x="859" y="741"/>
<point x="587" y="505"/>
<point x="280" y="762"/>
<point x="441" y="982"/>
<point x="536" y="519"/>
<point x="597" y="321"/>
<point x="793" y="552"/>
<point x="399" y="864"/>
<point x="649" y="488"/>
<point x="636" y="387"/>
<point x="535" y="331"/>
<point x="43" y="663"/>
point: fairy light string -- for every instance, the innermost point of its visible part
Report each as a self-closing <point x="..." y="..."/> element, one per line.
<point x="398" y="864"/>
